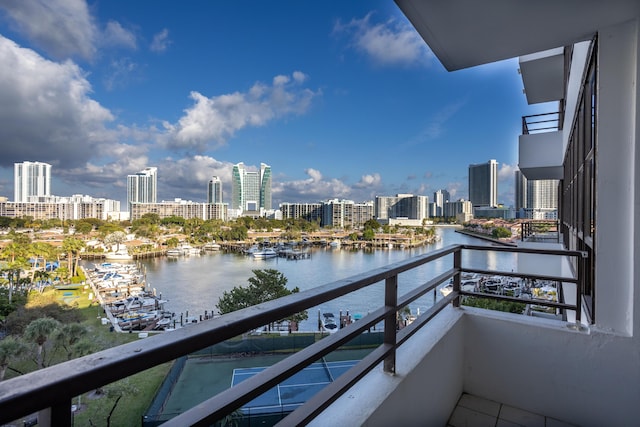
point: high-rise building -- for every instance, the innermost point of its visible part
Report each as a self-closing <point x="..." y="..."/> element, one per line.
<point x="251" y="190"/>
<point x="142" y="187"/>
<point x="405" y="206"/>
<point x="214" y="190"/>
<point x="483" y="184"/>
<point x="520" y="191"/>
<point x="536" y="198"/>
<point x="31" y="181"/>
<point x="440" y="197"/>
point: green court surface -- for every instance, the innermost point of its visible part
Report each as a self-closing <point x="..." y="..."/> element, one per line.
<point x="205" y="376"/>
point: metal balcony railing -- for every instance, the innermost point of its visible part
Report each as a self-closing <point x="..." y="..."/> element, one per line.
<point x="51" y="390"/>
<point x="540" y="231"/>
<point x="545" y="122"/>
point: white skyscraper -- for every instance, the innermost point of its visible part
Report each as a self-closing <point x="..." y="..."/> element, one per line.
<point x="536" y="199"/>
<point x="440" y="197"/>
<point x="31" y="179"/>
<point x="214" y="190"/>
<point x="142" y="187"/>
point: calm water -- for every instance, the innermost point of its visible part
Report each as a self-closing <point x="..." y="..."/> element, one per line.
<point x="194" y="284"/>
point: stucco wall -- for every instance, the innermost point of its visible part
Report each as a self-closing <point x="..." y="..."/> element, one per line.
<point x="586" y="378"/>
<point x="425" y="389"/>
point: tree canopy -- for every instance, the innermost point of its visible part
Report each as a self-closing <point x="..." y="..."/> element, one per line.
<point x="266" y="285"/>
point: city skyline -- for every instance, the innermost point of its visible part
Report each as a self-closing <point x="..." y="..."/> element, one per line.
<point x="349" y="104"/>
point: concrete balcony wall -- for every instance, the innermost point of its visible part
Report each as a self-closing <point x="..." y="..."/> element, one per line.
<point x="539" y="365"/>
<point x="541" y="155"/>
<point x="543" y="75"/>
<point x="586" y="378"/>
<point x="553" y="265"/>
<point x="425" y="389"/>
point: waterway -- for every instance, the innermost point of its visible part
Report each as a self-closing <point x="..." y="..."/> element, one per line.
<point x="193" y="284"/>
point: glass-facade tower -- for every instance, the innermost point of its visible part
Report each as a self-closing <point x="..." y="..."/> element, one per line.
<point x="483" y="184"/>
<point x="251" y="190"/>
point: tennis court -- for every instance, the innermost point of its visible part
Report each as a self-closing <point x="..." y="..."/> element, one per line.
<point x="295" y="390"/>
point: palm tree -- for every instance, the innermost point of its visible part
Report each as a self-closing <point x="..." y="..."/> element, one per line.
<point x="72" y="247"/>
<point x="11" y="349"/>
<point x="39" y="250"/>
<point x="69" y="335"/>
<point x="38" y="332"/>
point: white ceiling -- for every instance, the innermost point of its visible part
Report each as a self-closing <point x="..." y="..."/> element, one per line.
<point x="466" y="33"/>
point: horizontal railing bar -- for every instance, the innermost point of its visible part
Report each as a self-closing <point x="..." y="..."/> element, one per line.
<point x="263" y="381"/>
<point x="541" y="121"/>
<point x="522" y="275"/>
<point x="541" y="128"/>
<point x="561" y="252"/>
<point x="328" y="394"/>
<point x="406" y="332"/>
<point x="54" y="387"/>
<point x="414" y="294"/>
<point x="216" y="407"/>
<point x="546" y="303"/>
<point x="541" y="114"/>
<point x="332" y="391"/>
<point x="33" y="391"/>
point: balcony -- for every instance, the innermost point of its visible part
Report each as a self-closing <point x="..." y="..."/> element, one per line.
<point x="543" y="75"/>
<point x="541" y="151"/>
<point x="418" y="374"/>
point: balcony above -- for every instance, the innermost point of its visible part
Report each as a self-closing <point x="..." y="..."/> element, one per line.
<point x="541" y="155"/>
<point x="466" y="33"/>
<point x="543" y="75"/>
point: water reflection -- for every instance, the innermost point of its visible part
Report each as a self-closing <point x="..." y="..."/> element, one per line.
<point x="195" y="283"/>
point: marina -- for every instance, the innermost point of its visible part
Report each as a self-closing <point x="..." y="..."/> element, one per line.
<point x="165" y="293"/>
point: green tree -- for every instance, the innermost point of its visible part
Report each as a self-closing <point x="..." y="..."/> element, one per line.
<point x="501" y="233"/>
<point x="368" y="234"/>
<point x="372" y="224"/>
<point x="117" y="238"/>
<point x="172" y="242"/>
<point x="38" y="332"/>
<point x="11" y="349"/>
<point x="266" y="285"/>
<point x="83" y="227"/>
<point x="69" y="336"/>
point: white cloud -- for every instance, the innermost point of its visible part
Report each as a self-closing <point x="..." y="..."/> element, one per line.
<point x="187" y="177"/>
<point x="160" y="41"/>
<point x="388" y="43"/>
<point x="313" y="189"/>
<point x="211" y="121"/>
<point x="46" y="111"/>
<point x="63" y="28"/>
<point x="506" y="173"/>
<point x="371" y="181"/>
<point x="120" y="73"/>
<point x="116" y="35"/>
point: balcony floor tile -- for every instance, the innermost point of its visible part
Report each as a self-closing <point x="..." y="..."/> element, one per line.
<point x="474" y="411"/>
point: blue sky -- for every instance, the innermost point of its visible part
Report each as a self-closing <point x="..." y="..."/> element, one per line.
<point x="341" y="98"/>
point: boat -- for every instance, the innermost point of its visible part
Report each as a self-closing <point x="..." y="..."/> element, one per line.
<point x="190" y="250"/>
<point x="212" y="246"/>
<point x="265" y="253"/>
<point x="466" y="286"/>
<point x="329" y="323"/>
<point x="175" y="252"/>
<point x="121" y="254"/>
